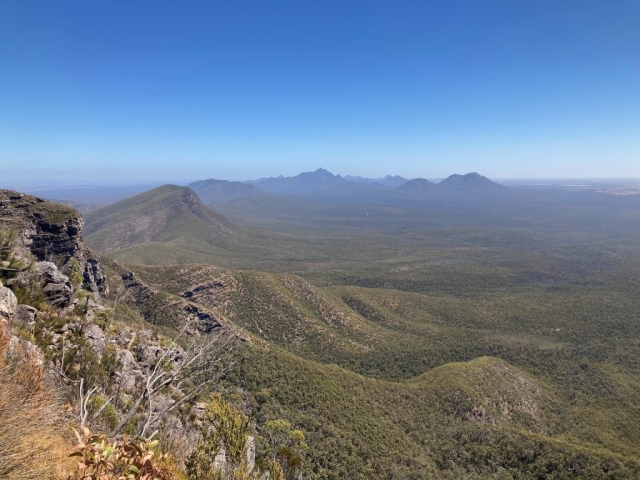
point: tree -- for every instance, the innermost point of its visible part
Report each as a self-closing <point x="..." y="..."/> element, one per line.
<point x="221" y="453"/>
<point x="286" y="449"/>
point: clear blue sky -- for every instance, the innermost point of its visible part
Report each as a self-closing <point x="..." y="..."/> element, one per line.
<point x="181" y="90"/>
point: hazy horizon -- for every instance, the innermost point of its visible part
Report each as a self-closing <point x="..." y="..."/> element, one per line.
<point x="33" y="184"/>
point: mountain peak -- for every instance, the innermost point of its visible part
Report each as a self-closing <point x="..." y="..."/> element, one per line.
<point x="470" y="182"/>
<point x="416" y="188"/>
<point x="305" y="182"/>
<point x="416" y="184"/>
<point x="320" y="173"/>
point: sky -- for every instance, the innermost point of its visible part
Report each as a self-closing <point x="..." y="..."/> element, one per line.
<point x="136" y="91"/>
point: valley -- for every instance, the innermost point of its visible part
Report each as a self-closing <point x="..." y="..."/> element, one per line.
<point x="471" y="336"/>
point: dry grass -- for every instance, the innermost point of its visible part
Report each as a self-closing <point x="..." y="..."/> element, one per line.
<point x="31" y="447"/>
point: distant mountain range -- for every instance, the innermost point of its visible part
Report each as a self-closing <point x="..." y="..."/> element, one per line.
<point x="321" y="180"/>
<point x="324" y="181"/>
<point x="173" y="224"/>
<point x="324" y="185"/>
<point x="320" y="184"/>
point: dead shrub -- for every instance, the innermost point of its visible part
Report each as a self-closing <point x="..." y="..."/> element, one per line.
<point x="30" y="445"/>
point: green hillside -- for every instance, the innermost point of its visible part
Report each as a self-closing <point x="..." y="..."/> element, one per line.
<point x="163" y="215"/>
<point x="389" y="383"/>
<point x="476" y="420"/>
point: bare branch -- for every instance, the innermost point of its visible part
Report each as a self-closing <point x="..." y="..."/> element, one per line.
<point x="199" y="363"/>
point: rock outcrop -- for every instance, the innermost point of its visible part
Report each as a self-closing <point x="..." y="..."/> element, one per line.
<point x="46" y="239"/>
<point x="174" y="312"/>
<point x="57" y="287"/>
<point x="8" y="302"/>
<point x="50" y="232"/>
<point x="25" y="315"/>
<point x="96" y="338"/>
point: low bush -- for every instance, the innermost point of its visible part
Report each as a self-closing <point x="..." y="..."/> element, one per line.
<point x="100" y="459"/>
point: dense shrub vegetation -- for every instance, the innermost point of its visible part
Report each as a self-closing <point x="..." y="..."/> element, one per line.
<point x="379" y="305"/>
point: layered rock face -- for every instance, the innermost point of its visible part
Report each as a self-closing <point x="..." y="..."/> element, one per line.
<point x="51" y="233"/>
<point x="46" y="239"/>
